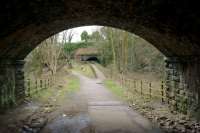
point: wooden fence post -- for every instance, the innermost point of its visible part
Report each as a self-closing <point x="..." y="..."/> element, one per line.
<point x="41" y="84"/>
<point x="129" y="87"/>
<point x="150" y="90"/>
<point x="125" y="87"/>
<point x="141" y="87"/>
<point x="45" y="83"/>
<point x="4" y="94"/>
<point x="48" y="82"/>
<point x="162" y="91"/>
<point x="122" y="80"/>
<point x="36" y="85"/>
<point x="29" y="87"/>
<point x="134" y="84"/>
<point x="129" y="84"/>
<point x="6" y="97"/>
<point x="2" y="97"/>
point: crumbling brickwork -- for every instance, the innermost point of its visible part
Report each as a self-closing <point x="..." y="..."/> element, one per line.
<point x="11" y="82"/>
<point x="182" y="83"/>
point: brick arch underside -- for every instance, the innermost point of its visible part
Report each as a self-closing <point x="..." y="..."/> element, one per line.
<point x="172" y="27"/>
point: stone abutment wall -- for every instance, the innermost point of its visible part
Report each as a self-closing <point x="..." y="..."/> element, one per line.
<point x="11" y="82"/>
<point x="183" y="83"/>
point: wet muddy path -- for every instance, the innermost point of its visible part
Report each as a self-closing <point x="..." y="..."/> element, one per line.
<point x="94" y="109"/>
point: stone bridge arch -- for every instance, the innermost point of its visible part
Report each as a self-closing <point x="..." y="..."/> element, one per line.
<point x="87" y="54"/>
<point x="93" y="59"/>
<point x="172" y="26"/>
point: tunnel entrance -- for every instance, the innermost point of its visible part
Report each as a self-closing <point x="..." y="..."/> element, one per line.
<point x="178" y="33"/>
<point x="87" y="54"/>
<point x="24" y="25"/>
<point x="93" y="59"/>
<point x="123" y="57"/>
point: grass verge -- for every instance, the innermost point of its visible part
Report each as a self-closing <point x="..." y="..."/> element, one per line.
<point x="114" y="88"/>
<point x="84" y="69"/>
<point x="58" y="92"/>
<point x="73" y="84"/>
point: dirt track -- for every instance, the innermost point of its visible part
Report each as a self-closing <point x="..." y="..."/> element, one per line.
<point x="94" y="109"/>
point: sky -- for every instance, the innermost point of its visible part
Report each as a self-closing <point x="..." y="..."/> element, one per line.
<point x="77" y="31"/>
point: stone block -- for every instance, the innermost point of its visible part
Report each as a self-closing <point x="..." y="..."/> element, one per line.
<point x="12" y="77"/>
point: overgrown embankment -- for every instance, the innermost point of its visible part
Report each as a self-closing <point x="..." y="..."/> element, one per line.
<point x="41" y="107"/>
<point x="149" y="101"/>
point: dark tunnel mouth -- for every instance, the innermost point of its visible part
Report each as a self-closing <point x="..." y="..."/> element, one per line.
<point x="93" y="59"/>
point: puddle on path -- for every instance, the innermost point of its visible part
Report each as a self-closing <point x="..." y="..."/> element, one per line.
<point x="80" y="123"/>
<point x="32" y="106"/>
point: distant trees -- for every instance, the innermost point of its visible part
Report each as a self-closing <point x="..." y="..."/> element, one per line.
<point x="121" y="50"/>
<point x="67" y="36"/>
<point x="54" y="51"/>
<point x="84" y="36"/>
<point x="46" y="55"/>
<point x="96" y="36"/>
<point x="126" y="52"/>
<point x="51" y="51"/>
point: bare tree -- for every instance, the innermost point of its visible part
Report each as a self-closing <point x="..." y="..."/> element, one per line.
<point x="66" y="40"/>
<point x="51" y="50"/>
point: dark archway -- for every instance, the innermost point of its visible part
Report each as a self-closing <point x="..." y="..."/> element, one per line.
<point x="93" y="59"/>
<point x="172" y="26"/>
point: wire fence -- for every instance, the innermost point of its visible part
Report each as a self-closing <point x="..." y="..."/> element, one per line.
<point x="7" y="95"/>
<point x="34" y="86"/>
<point x="177" y="100"/>
<point x="151" y="90"/>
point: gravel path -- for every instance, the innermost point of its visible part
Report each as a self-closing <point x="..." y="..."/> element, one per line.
<point x="99" y="111"/>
